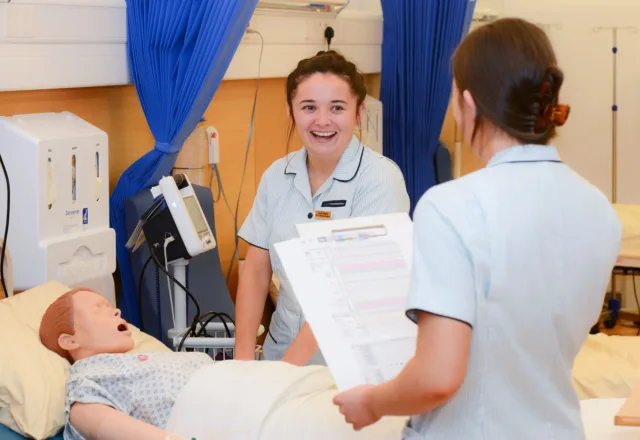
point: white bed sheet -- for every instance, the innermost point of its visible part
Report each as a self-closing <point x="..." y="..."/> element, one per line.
<point x="607" y="367"/>
<point x="264" y="400"/>
<point x="236" y="400"/>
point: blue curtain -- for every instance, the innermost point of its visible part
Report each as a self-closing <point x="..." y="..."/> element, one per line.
<point x="178" y="53"/>
<point x="419" y="38"/>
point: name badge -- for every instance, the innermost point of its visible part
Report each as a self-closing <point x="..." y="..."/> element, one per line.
<point x="325" y="215"/>
<point x="334" y="203"/>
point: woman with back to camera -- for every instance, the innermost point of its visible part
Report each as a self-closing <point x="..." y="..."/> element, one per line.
<point x="333" y="176"/>
<point x="510" y="263"/>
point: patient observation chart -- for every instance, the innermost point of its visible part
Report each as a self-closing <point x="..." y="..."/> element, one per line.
<point x="352" y="284"/>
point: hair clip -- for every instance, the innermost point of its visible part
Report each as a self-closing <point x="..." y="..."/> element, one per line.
<point x="559" y="114"/>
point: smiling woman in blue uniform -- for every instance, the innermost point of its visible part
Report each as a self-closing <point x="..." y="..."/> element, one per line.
<point x="510" y="263"/>
<point x="334" y="176"/>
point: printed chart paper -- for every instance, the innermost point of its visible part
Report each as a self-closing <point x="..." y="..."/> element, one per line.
<point x="351" y="278"/>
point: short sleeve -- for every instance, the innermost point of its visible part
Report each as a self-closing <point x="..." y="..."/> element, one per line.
<point x="382" y="190"/>
<point x="88" y="391"/>
<point x="83" y="390"/>
<point x="442" y="279"/>
<point x="255" y="230"/>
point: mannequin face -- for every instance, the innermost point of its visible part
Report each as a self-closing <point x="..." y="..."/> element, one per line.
<point x="98" y="328"/>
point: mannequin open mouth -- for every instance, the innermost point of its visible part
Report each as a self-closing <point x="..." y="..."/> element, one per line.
<point x="123" y="328"/>
<point x="323" y="136"/>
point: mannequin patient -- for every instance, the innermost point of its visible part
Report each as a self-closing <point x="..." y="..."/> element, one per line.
<point x="112" y="394"/>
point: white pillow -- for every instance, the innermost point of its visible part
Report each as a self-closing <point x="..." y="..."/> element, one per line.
<point x="32" y="378"/>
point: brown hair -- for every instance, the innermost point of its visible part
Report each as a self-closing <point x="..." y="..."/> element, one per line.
<point x="510" y="69"/>
<point x="325" y="62"/>
<point x="58" y="319"/>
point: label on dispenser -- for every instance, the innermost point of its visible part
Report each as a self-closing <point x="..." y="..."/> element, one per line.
<point x="72" y="221"/>
<point x="85" y="216"/>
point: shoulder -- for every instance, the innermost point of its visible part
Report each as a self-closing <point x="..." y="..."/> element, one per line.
<point x="600" y="207"/>
<point x="375" y="166"/>
<point x="453" y="197"/>
<point x="453" y="204"/>
<point x="277" y="171"/>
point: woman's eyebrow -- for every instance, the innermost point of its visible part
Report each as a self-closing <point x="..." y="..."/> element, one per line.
<point x="334" y="101"/>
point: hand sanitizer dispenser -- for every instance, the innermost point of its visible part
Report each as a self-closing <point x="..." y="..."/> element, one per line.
<point x="59" y="217"/>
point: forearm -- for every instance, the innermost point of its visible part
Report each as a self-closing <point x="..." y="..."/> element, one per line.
<point x="101" y="422"/>
<point x="250" y="301"/>
<point x="302" y="348"/>
<point x="433" y="375"/>
<point x="408" y="393"/>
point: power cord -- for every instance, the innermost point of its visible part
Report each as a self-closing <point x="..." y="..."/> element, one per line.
<point x="236" y="254"/>
<point x="169" y="239"/>
<point x="144" y="268"/>
<point x="215" y="171"/>
<point x="198" y="318"/>
<point x="166" y="272"/>
<point x="6" y="228"/>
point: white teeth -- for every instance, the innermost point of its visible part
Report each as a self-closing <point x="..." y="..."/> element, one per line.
<point x="323" y="134"/>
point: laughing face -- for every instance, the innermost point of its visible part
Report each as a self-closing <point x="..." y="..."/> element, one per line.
<point x="98" y="328"/>
<point x="325" y="112"/>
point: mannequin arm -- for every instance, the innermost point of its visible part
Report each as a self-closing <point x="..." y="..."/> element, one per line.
<point x="95" y="421"/>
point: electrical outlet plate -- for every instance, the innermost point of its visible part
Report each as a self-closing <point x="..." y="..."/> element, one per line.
<point x="290" y="36"/>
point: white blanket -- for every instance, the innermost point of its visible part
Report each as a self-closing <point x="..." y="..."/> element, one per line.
<point x="234" y="400"/>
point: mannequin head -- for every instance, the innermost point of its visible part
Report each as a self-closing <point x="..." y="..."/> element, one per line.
<point x="82" y="323"/>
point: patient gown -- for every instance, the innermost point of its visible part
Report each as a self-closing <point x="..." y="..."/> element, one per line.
<point x="142" y="385"/>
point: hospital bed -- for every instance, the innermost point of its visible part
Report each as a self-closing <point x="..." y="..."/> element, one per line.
<point x="32" y="379"/>
<point x="628" y="264"/>
<point x="273" y="396"/>
<point x="32" y="396"/>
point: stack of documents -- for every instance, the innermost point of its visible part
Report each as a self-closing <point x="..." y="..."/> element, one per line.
<point x="351" y="278"/>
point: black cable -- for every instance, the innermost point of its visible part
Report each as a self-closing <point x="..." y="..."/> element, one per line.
<point x="191" y="331"/>
<point x="211" y="318"/>
<point x="196" y="320"/>
<point x="172" y="278"/>
<point x="142" y="326"/>
<point x="6" y="228"/>
<point x="203" y="327"/>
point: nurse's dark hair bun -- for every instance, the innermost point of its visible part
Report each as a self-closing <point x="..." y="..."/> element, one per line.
<point x="328" y="61"/>
<point x="510" y="69"/>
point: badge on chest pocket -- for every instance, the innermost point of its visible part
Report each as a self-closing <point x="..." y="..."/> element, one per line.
<point x="328" y="214"/>
<point x="323" y="215"/>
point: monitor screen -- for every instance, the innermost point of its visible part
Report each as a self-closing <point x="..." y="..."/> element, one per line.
<point x="196" y="217"/>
